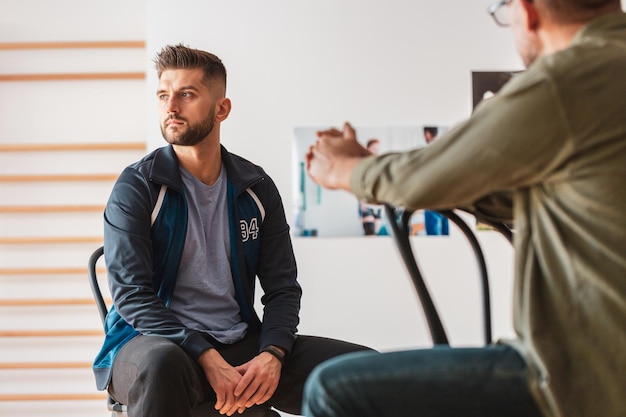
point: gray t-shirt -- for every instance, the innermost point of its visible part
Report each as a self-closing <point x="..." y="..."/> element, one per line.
<point x="204" y="297"/>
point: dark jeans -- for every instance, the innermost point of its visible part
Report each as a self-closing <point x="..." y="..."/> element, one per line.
<point x="438" y="382"/>
<point x="156" y="378"/>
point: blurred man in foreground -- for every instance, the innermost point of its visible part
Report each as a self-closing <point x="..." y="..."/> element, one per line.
<point x="547" y="152"/>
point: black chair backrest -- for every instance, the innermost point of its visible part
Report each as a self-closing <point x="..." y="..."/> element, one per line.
<point x="399" y="220"/>
<point x="93" y="282"/>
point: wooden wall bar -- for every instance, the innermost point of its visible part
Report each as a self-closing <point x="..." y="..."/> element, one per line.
<point x="74" y="77"/>
<point x="51" y="147"/>
<point x="52" y="397"/>
<point x="51" y="209"/>
<point x="58" y="178"/>
<point x="71" y="45"/>
<point x="52" y="240"/>
<point x="18" y="274"/>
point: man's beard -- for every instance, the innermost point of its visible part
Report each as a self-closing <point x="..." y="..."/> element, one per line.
<point x="194" y="133"/>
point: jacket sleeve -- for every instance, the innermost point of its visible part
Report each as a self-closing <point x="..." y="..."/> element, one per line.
<point x="277" y="275"/>
<point x="128" y="256"/>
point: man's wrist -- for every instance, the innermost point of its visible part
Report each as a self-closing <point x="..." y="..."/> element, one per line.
<point x="209" y="357"/>
<point x="276" y="352"/>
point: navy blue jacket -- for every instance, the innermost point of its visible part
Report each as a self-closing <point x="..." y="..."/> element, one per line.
<point x="145" y="224"/>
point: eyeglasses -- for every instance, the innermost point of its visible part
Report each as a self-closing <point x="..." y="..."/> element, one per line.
<point x="500" y="13"/>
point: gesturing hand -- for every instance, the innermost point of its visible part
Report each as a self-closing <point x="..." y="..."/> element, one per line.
<point x="330" y="161"/>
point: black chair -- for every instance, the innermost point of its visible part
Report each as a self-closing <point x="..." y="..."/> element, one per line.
<point x="399" y="220"/>
<point x="117" y="409"/>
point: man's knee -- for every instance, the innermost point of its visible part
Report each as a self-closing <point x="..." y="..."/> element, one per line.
<point x="165" y="359"/>
<point x="314" y="392"/>
<point x="323" y="391"/>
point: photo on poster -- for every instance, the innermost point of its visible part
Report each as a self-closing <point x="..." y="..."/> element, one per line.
<point x="331" y="213"/>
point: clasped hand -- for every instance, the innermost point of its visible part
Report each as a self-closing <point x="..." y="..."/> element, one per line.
<point x="240" y="387"/>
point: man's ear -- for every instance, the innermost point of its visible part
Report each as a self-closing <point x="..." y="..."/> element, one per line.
<point x="223" y="109"/>
<point x="530" y="12"/>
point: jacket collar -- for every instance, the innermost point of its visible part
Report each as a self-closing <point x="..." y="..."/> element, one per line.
<point x="165" y="169"/>
<point x="241" y="173"/>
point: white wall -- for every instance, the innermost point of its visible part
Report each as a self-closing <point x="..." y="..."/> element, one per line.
<point x="375" y="63"/>
<point x="60" y="112"/>
<point x="71" y="20"/>
<point x="320" y="63"/>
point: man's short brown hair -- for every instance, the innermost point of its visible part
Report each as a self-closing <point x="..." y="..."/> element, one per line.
<point x="182" y="57"/>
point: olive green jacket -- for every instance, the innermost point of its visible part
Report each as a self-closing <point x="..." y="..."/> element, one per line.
<point x="548" y="152"/>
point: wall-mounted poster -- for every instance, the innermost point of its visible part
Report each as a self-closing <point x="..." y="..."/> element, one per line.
<point x="328" y="213"/>
<point x="487" y="83"/>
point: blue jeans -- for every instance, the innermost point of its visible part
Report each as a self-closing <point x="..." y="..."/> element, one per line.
<point x="439" y="382"/>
